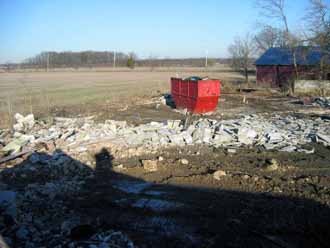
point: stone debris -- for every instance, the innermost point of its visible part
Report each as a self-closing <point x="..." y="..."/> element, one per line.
<point x="219" y="174"/>
<point x="150" y="165"/>
<point x="23" y="124"/>
<point x="16" y="144"/>
<point x="324" y="138"/>
<point x="247" y="136"/>
<point x="273" y="132"/>
<point x="323" y="102"/>
<point x="271" y="165"/>
<point x="231" y="151"/>
<point x="184" y="161"/>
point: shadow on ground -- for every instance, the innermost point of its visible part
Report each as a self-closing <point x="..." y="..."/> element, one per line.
<point x="61" y="201"/>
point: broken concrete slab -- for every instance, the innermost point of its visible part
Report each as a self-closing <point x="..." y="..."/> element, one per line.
<point x="23" y="124"/>
<point x="150" y="165"/>
<point x="246" y="135"/>
<point x="184" y="161"/>
<point x="174" y="124"/>
<point x="15" y="145"/>
<point x="324" y="137"/>
<point x="323" y="102"/>
<point x="219" y="174"/>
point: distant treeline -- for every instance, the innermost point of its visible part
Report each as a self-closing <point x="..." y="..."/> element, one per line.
<point x="190" y="62"/>
<point x="77" y="59"/>
<point x="104" y="59"/>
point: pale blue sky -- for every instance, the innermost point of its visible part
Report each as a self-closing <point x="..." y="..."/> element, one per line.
<point x="168" y="28"/>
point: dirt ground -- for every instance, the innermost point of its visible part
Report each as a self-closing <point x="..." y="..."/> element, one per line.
<point x="249" y="207"/>
<point x="182" y="204"/>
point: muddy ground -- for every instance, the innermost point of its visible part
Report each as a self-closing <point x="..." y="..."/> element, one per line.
<point x="182" y="204"/>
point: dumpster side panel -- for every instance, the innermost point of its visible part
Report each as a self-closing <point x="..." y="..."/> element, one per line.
<point x="184" y="94"/>
<point x="193" y="94"/>
<point x="176" y="91"/>
<point x="206" y="104"/>
<point x="208" y="88"/>
<point x="193" y="89"/>
<point x="208" y="96"/>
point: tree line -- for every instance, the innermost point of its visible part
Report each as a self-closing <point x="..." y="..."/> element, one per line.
<point x="275" y="30"/>
<point x="78" y="59"/>
<point x="70" y="59"/>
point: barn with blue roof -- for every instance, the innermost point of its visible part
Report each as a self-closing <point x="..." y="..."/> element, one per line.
<point x="275" y="68"/>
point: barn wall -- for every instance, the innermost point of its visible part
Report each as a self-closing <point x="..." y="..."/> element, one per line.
<point x="286" y="75"/>
<point x="266" y="76"/>
<point x="281" y="76"/>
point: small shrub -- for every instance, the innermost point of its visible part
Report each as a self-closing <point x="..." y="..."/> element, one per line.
<point x="131" y="62"/>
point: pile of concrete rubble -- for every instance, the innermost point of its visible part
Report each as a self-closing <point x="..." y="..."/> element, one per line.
<point x="272" y="132"/>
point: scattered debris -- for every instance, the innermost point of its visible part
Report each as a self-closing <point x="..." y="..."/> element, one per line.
<point x="232" y="151"/>
<point x="150" y="165"/>
<point x="273" y="132"/>
<point x="323" y="102"/>
<point x="324" y="138"/>
<point x="23" y="124"/>
<point x="219" y="174"/>
<point x="15" y="145"/>
<point x="12" y="157"/>
<point x="271" y="165"/>
<point x="184" y="161"/>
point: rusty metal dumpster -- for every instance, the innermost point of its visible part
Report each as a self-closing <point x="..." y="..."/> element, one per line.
<point x="195" y="94"/>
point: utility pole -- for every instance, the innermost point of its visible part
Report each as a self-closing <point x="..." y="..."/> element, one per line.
<point x="47" y="62"/>
<point x="114" y="59"/>
<point x="207" y="53"/>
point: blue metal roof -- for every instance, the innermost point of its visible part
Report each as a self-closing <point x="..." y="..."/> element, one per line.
<point x="284" y="56"/>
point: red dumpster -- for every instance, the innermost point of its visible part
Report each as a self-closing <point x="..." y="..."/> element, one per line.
<point x="195" y="94"/>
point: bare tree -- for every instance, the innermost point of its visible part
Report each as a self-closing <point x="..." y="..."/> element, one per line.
<point x="241" y="51"/>
<point x="318" y="21"/>
<point x="319" y="15"/>
<point x="276" y="10"/>
<point x="7" y="65"/>
<point x="269" y="37"/>
<point x="152" y="61"/>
